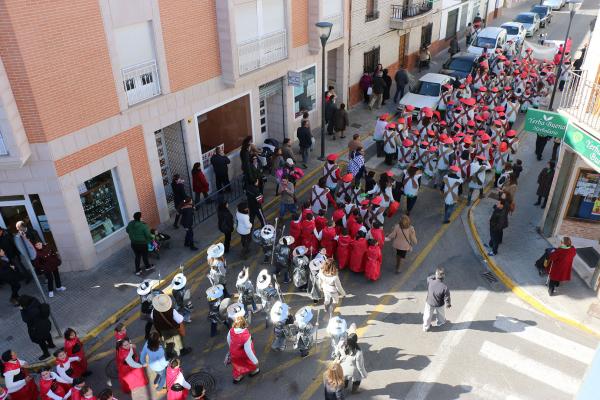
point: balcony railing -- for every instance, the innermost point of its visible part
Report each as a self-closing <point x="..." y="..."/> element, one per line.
<point x="337" y="31"/>
<point x="406" y="11"/>
<point x="141" y="82"/>
<point x="257" y="53"/>
<point x="581" y="100"/>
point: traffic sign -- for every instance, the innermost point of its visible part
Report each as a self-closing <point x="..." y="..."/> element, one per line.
<point x="546" y="123"/>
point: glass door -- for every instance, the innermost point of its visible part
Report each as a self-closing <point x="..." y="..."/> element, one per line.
<point x="13" y="211"/>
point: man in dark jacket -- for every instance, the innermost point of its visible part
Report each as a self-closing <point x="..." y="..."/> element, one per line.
<point x="139" y="235"/>
<point x="498" y="221"/>
<point x="341" y="121"/>
<point x="9" y="275"/>
<point x="220" y="162"/>
<point x="187" y="221"/>
<point x="401" y="79"/>
<point x="255" y="202"/>
<point x="225" y="223"/>
<point x="378" y="89"/>
<point x="454" y="46"/>
<point x="438" y="295"/>
<point x="178" y="189"/>
<point x="37" y="318"/>
<point x="7" y="243"/>
<point x="330" y="110"/>
<point x="388" y="86"/>
<point x="544" y="180"/>
<point x="305" y="141"/>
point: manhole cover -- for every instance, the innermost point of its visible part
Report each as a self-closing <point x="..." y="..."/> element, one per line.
<point x="205" y="379"/>
<point x="488" y="276"/>
<point x="111" y="370"/>
<point x="355" y="125"/>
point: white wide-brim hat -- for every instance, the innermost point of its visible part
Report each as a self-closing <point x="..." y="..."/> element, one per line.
<point x="299" y="251"/>
<point x="242" y="277"/>
<point x="316" y="264"/>
<point x="162" y="303"/>
<point x="235" y="310"/>
<point x="145" y="287"/>
<point x="304" y="315"/>
<point x="279" y="312"/>
<point x="267" y="232"/>
<point x="215" y="250"/>
<point x="179" y="281"/>
<point x="337" y="326"/>
<point x="287" y="240"/>
<point x="214" y="292"/>
<point x="263" y="280"/>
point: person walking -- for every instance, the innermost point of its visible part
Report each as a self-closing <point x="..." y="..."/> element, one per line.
<point x="454" y="47"/>
<point x="438" y="295"/>
<point x="330" y="284"/>
<point x="356" y="166"/>
<point x="401" y="78"/>
<point x="200" y="185"/>
<point x="286" y="149"/>
<point x="47" y="262"/>
<point x="340" y="121"/>
<point x="74" y="348"/>
<point x="353" y="363"/>
<point x="255" y="200"/>
<point x="403" y="238"/>
<point x="365" y="83"/>
<point x="139" y="236"/>
<point x="187" y="221"/>
<point x="544" y="181"/>
<point x="379" y="87"/>
<point x="131" y="372"/>
<point x="241" y="351"/>
<point x="305" y="142"/>
<point x="225" y="222"/>
<point x="333" y="382"/>
<point x="388" y="86"/>
<point x="498" y="222"/>
<point x="19" y="384"/>
<point x="287" y="200"/>
<point x="178" y="387"/>
<point x="244" y="227"/>
<point x="561" y="264"/>
<point x="412" y="183"/>
<point x="469" y="34"/>
<point x="36" y="316"/>
<point x="169" y="324"/>
<point x="220" y="163"/>
<point x="153" y="356"/>
<point x="10" y="276"/>
<point x="179" y="195"/>
<point x="424" y="57"/>
<point x="330" y="111"/>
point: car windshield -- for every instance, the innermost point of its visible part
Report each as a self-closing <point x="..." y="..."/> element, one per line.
<point x="428" y="89"/>
<point x="511" y="30"/>
<point x="541" y="11"/>
<point x="486" y="42"/>
<point x="524" y="19"/>
<point x="460" y="64"/>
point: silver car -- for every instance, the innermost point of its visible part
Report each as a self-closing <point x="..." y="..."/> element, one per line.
<point x="530" y="20"/>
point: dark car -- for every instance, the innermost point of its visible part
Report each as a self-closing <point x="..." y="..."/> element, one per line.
<point x="545" y="13"/>
<point x="460" y="65"/>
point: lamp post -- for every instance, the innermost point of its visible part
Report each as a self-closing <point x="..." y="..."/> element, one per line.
<point x="324" y="32"/>
<point x="573" y="7"/>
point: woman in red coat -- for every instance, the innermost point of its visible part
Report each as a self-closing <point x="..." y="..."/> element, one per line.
<point x="241" y="350"/>
<point x="328" y="239"/>
<point x="373" y="261"/>
<point x="177" y="387"/>
<point x="342" y="252"/>
<point x="199" y="183"/>
<point x="74" y="348"/>
<point x="131" y="372"/>
<point x="561" y="264"/>
<point x="358" y="249"/>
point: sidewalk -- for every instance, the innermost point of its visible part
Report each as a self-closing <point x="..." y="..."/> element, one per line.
<point x="522" y="245"/>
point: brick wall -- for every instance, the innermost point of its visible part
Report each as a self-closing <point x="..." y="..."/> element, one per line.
<point x="57" y="61"/>
<point x="299" y="23"/>
<point x="191" y="40"/>
<point x="133" y="140"/>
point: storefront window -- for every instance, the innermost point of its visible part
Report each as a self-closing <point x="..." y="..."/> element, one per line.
<point x="101" y="205"/>
<point x="305" y="96"/>
<point x="585" y="200"/>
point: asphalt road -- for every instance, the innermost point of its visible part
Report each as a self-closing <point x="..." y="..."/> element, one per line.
<point x="496" y="347"/>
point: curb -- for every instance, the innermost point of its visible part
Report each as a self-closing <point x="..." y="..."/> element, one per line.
<point x="518" y="290"/>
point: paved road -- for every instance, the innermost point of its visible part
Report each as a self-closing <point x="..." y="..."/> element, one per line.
<point x="495" y="348"/>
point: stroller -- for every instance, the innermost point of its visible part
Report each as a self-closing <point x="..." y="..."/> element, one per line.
<point x="159" y="240"/>
<point x="542" y="264"/>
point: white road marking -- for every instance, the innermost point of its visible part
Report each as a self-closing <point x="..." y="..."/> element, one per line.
<point x="489" y="392"/>
<point x="430" y="374"/>
<point x="550" y="341"/>
<point x="530" y="368"/>
<point x="515" y="301"/>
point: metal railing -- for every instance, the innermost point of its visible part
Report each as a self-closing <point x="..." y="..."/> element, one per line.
<point x="410" y="10"/>
<point x="209" y="206"/>
<point x="141" y="82"/>
<point x="337" y="30"/>
<point x="257" y="53"/>
<point x="580" y="99"/>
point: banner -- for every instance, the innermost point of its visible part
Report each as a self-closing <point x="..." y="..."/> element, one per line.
<point x="545" y="123"/>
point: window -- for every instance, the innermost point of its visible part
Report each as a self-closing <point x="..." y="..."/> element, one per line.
<point x="258" y="18"/>
<point x="101" y="205"/>
<point x="585" y="199"/>
<point x="426" y="31"/>
<point x="451" y="23"/>
<point x="371" y="59"/>
<point x="135" y="44"/>
<point x="372" y="11"/>
<point x="305" y="96"/>
<point x="3" y="149"/>
<point x="227" y="125"/>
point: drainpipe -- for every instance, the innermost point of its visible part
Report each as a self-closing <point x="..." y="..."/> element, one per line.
<point x="349" y="50"/>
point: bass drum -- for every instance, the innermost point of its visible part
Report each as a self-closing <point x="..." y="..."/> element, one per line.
<point x="256" y="236"/>
<point x="503" y="180"/>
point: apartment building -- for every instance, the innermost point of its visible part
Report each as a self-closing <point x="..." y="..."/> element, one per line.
<point x="391" y="32"/>
<point x="101" y="102"/>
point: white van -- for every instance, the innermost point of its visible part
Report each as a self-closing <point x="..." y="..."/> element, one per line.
<point x="488" y="38"/>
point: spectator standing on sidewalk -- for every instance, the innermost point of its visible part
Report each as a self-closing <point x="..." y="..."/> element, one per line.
<point x="469" y="34"/>
<point x="401" y="79"/>
<point x="498" y="222"/>
<point x="330" y="110"/>
<point x="139" y="235"/>
<point x="544" y="181"/>
<point x="287" y="201"/>
<point x="7" y="243"/>
<point x="255" y="200"/>
<point x="47" y="262"/>
<point x="10" y="275"/>
<point x="438" y="295"/>
<point x="36" y="316"/>
<point x="454" y="47"/>
<point x="340" y="121"/>
<point x="244" y="227"/>
<point x="561" y="264"/>
<point x="366" y="82"/>
<point x="24" y="240"/>
<point x="225" y="222"/>
<point x="305" y="141"/>
<point x="378" y="89"/>
<point x="187" y="221"/>
<point x="540" y="143"/>
<point x="286" y="149"/>
<point x="179" y="195"/>
<point x="220" y="163"/>
<point x="388" y="86"/>
<point x="199" y="183"/>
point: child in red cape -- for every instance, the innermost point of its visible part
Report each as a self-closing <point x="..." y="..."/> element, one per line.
<point x="357" y="252"/>
<point x="343" y="248"/>
<point x="373" y="261"/>
<point x="328" y="235"/>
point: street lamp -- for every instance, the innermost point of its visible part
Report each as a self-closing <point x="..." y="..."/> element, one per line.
<point x="324" y="32"/>
<point x="573" y="7"/>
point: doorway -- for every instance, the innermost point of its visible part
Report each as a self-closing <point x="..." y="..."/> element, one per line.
<point x="402" y="45"/>
<point x="172" y="158"/>
<point x="271" y="111"/>
<point x="28" y="209"/>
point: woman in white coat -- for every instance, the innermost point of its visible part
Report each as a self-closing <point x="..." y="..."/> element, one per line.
<point x="353" y="363"/>
<point x="330" y="285"/>
<point x="244" y="226"/>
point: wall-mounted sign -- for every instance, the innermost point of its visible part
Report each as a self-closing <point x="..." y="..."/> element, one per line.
<point x="545" y="123"/>
<point x="294" y="78"/>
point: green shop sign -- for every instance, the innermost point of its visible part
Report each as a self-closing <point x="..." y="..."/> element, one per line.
<point x="583" y="144"/>
<point x="545" y="123"/>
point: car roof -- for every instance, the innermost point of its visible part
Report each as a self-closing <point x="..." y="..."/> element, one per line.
<point x="540" y="5"/>
<point x="527" y="13"/>
<point x="491" y="31"/>
<point x="465" y="55"/>
<point x="434" y="78"/>
<point x="512" y="23"/>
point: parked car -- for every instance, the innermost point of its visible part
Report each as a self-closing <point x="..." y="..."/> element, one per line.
<point x="555" y="4"/>
<point x="426" y="93"/>
<point x="544" y="12"/>
<point x="515" y="32"/>
<point x="488" y="38"/>
<point x="459" y="65"/>
<point x="530" y="20"/>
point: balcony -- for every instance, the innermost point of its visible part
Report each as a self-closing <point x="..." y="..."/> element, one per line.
<point x="141" y="82"/>
<point x="580" y="100"/>
<point x="410" y="15"/>
<point x="258" y="53"/>
<point x="337" y="31"/>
